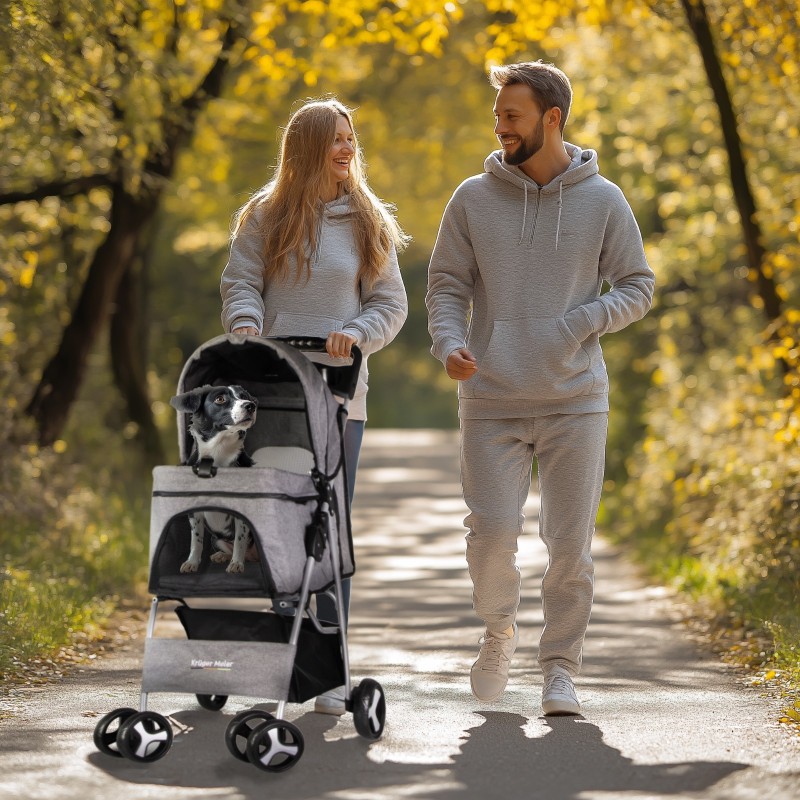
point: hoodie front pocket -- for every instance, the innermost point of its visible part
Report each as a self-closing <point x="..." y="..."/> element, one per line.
<point x="533" y="358"/>
<point x="287" y="324"/>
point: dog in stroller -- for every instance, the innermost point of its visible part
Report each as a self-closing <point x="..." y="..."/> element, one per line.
<point x="221" y="417"/>
<point x="293" y="500"/>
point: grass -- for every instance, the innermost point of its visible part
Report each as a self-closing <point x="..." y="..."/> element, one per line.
<point x="67" y="562"/>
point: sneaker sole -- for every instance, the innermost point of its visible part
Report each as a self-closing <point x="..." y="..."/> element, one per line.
<point x="335" y="710"/>
<point x="558" y="708"/>
<point x="491" y="699"/>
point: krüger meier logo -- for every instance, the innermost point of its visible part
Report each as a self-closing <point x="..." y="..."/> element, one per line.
<point x="219" y="664"/>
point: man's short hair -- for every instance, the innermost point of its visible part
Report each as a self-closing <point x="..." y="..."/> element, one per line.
<point x="550" y="86"/>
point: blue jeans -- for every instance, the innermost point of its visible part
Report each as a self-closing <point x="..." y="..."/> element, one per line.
<point x="353" y="436"/>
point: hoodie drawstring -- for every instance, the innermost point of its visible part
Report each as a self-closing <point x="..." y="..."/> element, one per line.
<point x="560" y="204"/>
<point x="524" y="214"/>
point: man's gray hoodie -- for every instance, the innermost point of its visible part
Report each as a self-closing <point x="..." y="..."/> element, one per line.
<point x="529" y="263"/>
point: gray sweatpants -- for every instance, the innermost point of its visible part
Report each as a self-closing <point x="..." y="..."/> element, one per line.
<point x="496" y="460"/>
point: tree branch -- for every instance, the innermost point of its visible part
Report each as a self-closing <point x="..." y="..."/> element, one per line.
<point x="61" y="188"/>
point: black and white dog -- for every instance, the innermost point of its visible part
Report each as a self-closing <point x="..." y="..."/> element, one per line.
<point x="221" y="417"/>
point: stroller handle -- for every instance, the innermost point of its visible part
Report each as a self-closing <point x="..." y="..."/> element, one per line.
<point x="341" y="380"/>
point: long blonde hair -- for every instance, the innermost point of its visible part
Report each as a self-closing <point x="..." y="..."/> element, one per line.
<point x="292" y="202"/>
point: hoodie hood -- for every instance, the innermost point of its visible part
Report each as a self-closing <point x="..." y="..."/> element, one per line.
<point x="583" y="164"/>
<point x="340" y="207"/>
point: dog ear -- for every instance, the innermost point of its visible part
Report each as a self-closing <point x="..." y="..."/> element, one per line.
<point x="189" y="402"/>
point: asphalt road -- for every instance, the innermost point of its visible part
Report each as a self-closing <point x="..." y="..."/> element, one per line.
<point x="662" y="717"/>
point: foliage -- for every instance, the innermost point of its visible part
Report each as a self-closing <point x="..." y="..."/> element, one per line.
<point x="702" y="466"/>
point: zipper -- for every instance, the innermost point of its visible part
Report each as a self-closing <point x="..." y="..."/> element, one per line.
<point x="250" y="495"/>
<point x="535" y="215"/>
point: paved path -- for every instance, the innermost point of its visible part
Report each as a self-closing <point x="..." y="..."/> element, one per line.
<point x="662" y="719"/>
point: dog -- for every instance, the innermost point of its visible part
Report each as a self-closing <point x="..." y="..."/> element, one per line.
<point x="221" y="417"/>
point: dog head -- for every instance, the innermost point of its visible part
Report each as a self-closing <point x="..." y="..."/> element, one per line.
<point x="217" y="411"/>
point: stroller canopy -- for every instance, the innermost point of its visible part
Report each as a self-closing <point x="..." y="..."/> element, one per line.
<point x="283" y="380"/>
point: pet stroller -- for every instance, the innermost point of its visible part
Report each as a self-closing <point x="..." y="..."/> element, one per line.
<point x="294" y="500"/>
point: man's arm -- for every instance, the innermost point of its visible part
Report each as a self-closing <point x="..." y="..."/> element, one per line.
<point x="451" y="281"/>
<point x="624" y="266"/>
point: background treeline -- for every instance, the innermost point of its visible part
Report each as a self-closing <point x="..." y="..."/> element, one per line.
<point x="133" y="129"/>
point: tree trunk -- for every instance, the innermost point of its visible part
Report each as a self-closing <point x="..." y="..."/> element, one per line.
<point x="64" y="373"/>
<point x="697" y="16"/>
<point x="129" y="354"/>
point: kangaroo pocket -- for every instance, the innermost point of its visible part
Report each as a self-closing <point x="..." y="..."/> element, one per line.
<point x="287" y="324"/>
<point x="533" y="358"/>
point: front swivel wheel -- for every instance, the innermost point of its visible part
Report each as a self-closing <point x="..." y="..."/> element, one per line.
<point x="146" y="736"/>
<point x="240" y="728"/>
<point x="275" y="746"/>
<point x="106" y="730"/>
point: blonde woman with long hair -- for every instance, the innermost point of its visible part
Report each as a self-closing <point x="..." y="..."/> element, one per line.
<point x="314" y="253"/>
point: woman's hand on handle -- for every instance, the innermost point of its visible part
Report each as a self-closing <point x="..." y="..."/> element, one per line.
<point x="339" y="344"/>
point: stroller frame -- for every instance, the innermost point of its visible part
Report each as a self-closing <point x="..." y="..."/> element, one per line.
<point x="225" y="650"/>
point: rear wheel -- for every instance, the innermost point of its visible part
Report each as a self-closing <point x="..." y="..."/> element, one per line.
<point x="213" y="702"/>
<point x="369" y="709"/>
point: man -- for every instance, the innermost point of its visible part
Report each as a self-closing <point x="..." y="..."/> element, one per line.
<point x="515" y="314"/>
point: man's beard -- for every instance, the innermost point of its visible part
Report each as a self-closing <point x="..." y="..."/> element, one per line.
<point x="527" y="147"/>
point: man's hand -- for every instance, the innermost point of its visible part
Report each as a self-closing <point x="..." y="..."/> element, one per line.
<point x="461" y="364"/>
<point x="248" y="330"/>
<point x="339" y="344"/>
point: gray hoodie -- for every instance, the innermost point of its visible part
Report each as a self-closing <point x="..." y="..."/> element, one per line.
<point x="329" y="301"/>
<point x="516" y="277"/>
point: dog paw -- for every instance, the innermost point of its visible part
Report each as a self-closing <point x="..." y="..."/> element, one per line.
<point x="219" y="558"/>
<point x="235" y="566"/>
<point x="189" y="566"/>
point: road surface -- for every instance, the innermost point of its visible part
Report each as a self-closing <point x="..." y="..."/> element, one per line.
<point x="662" y="717"/>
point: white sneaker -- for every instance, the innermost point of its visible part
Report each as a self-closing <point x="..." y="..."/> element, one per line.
<point x="558" y="697"/>
<point x="489" y="674"/>
<point x="331" y="702"/>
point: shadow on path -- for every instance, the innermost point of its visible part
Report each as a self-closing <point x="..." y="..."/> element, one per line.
<point x="503" y="755"/>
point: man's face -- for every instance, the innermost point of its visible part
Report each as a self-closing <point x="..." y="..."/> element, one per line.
<point x="519" y="124"/>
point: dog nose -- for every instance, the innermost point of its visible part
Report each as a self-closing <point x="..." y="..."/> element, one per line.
<point x="250" y="406"/>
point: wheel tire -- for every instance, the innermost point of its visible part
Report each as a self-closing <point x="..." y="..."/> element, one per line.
<point x="369" y="709"/>
<point x="275" y="746"/>
<point x="212" y="702"/>
<point x="240" y="728"/>
<point x="146" y="736"/>
<point x="105" y="737"/>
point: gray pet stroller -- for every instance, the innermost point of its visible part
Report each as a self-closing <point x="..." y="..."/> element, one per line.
<point x="294" y="501"/>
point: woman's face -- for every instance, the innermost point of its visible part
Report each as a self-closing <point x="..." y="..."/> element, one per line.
<point x="341" y="152"/>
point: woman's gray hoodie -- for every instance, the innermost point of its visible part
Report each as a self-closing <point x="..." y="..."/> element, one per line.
<point x="329" y="301"/>
<point x="529" y="263"/>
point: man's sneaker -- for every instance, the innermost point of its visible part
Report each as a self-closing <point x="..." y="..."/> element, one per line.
<point x="489" y="674"/>
<point x="558" y="697"/>
<point x="331" y="702"/>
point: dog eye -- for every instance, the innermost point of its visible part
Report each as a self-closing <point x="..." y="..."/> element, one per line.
<point x="220" y="399"/>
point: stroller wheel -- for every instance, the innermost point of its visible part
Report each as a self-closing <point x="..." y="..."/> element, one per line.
<point x="275" y="746"/>
<point x="213" y="702"/>
<point x="369" y="709"/>
<point x="105" y="732"/>
<point x="145" y="736"/>
<point x="240" y="727"/>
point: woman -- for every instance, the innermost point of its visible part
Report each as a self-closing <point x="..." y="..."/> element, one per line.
<point x="314" y="253"/>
